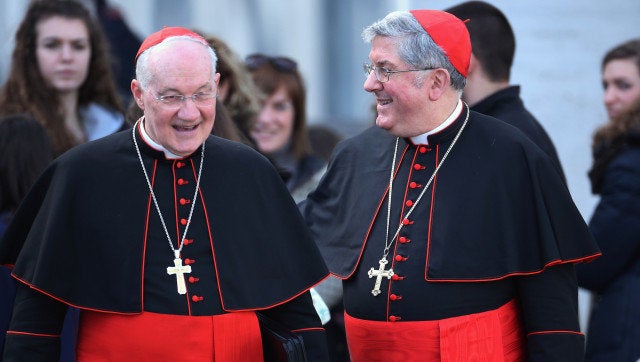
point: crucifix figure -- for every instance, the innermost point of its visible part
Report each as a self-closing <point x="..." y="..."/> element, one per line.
<point x="179" y="270"/>
<point x="379" y="274"/>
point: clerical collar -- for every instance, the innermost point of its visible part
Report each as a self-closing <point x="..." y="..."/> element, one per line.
<point x="423" y="138"/>
<point x="154" y="144"/>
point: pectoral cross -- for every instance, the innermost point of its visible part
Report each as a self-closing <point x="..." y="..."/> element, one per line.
<point x="379" y="274"/>
<point x="179" y="270"/>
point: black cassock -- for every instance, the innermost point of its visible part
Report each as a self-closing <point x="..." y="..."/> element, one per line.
<point x="89" y="235"/>
<point x="496" y="224"/>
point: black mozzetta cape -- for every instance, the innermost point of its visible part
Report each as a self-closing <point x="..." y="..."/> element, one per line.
<point x="499" y="204"/>
<point x="84" y="231"/>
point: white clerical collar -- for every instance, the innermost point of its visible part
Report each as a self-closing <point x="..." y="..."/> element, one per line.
<point x="154" y="144"/>
<point x="423" y="138"/>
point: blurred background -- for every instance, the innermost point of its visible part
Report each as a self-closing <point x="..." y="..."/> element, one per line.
<point x="559" y="47"/>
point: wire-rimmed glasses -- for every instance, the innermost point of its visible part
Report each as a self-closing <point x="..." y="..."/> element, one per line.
<point x="382" y="74"/>
<point x="177" y="100"/>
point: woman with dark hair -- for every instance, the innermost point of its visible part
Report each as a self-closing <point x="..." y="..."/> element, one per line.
<point x="614" y="278"/>
<point x="25" y="151"/>
<point x="280" y="132"/>
<point x="280" y="128"/>
<point x="60" y="75"/>
<point x="621" y="77"/>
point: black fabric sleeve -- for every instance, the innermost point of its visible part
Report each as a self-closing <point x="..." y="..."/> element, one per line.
<point x="549" y="303"/>
<point x="34" y="331"/>
<point x="615" y="224"/>
<point x="300" y="317"/>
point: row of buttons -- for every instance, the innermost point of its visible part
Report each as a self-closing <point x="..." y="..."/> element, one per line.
<point x="399" y="258"/>
<point x="183" y="222"/>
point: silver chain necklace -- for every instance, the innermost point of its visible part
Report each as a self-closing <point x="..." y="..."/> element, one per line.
<point x="381" y="272"/>
<point x="178" y="269"/>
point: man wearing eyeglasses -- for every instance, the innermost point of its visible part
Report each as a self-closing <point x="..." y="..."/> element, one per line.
<point x="453" y="233"/>
<point x="167" y="238"/>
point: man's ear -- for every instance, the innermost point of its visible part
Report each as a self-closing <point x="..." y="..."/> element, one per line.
<point x="439" y="82"/>
<point x="136" y="90"/>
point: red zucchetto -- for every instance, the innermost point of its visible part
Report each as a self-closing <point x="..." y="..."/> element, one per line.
<point x="450" y="34"/>
<point x="167" y="32"/>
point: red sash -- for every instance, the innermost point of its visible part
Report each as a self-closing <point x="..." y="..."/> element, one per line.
<point x="493" y="336"/>
<point x="166" y="337"/>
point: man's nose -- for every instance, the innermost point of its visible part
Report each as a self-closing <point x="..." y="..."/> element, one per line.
<point x="188" y="109"/>
<point x="371" y="83"/>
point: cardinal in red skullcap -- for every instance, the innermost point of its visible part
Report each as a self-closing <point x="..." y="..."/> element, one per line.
<point x="454" y="234"/>
<point x="176" y="245"/>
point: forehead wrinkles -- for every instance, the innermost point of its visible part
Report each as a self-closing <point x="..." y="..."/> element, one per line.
<point x="384" y="51"/>
<point x="182" y="61"/>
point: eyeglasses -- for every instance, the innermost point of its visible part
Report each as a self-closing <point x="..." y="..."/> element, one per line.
<point x="177" y="100"/>
<point x="282" y="64"/>
<point x="382" y="73"/>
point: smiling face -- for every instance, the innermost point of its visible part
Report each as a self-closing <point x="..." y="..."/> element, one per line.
<point x="63" y="51"/>
<point x="182" y="67"/>
<point x="273" y="127"/>
<point x="621" y="83"/>
<point x="402" y="101"/>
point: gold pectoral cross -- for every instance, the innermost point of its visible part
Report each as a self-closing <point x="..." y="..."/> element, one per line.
<point x="379" y="274"/>
<point x="179" y="270"/>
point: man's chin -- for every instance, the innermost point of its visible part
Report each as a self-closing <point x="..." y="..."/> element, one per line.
<point x="384" y="123"/>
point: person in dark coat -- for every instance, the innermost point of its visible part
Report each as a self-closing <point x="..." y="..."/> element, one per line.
<point x="613" y="332"/>
<point x="170" y="240"/>
<point x="454" y="234"/>
<point x="488" y="88"/>
<point x="25" y="151"/>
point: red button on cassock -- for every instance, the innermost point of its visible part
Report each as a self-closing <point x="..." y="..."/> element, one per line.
<point x="404" y="240"/>
<point x="394" y="318"/>
<point x="397" y="257"/>
<point x="196" y="298"/>
<point x="409" y="203"/>
<point x="193" y="280"/>
<point x="188" y="261"/>
<point x="395" y="297"/>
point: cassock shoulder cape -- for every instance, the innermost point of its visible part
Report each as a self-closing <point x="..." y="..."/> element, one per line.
<point x="500" y="207"/>
<point x="78" y="236"/>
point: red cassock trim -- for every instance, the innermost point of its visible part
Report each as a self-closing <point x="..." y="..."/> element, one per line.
<point x="375" y="215"/>
<point x="495" y="336"/>
<point x="167" y="337"/>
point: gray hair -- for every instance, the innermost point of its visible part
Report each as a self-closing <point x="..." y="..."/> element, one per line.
<point x="144" y="74"/>
<point x="416" y="47"/>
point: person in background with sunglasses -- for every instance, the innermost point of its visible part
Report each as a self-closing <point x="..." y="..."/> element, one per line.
<point x="280" y="133"/>
<point x="280" y="127"/>
<point x="454" y="234"/>
<point x="169" y="239"/>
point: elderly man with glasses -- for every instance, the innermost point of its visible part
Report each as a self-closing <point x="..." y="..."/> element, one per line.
<point x="454" y="234"/>
<point x="168" y="239"/>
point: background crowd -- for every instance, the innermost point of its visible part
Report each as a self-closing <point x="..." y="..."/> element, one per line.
<point x="267" y="100"/>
